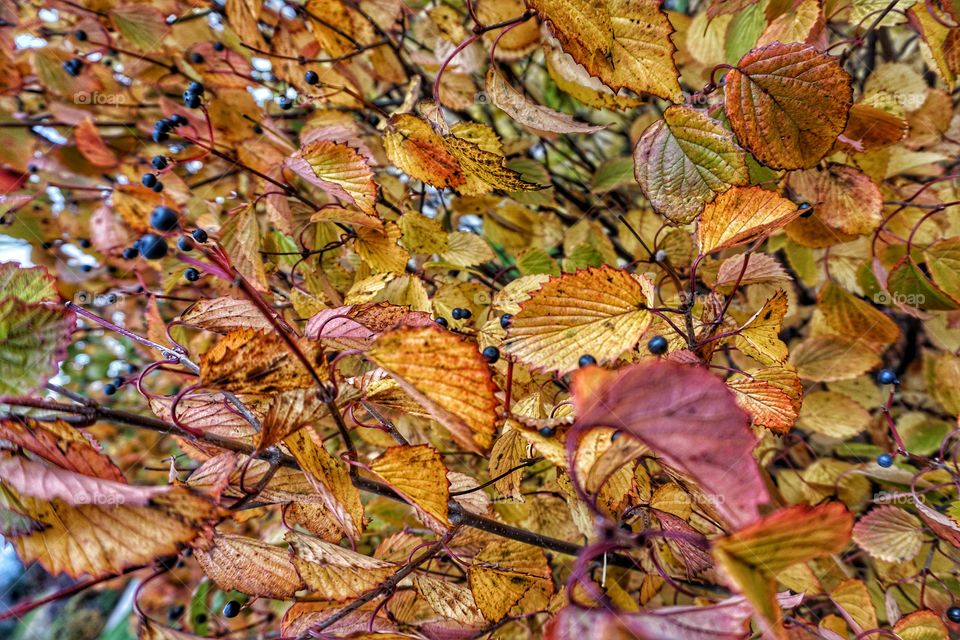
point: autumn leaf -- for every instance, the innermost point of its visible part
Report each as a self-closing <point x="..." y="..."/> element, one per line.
<point x="741" y="215"/>
<point x="35" y="337"/>
<point x="91" y="145"/>
<point x="598" y="312"/>
<point x="418" y="474"/>
<point x="787" y="103"/>
<point x="688" y="417"/>
<point x="759" y="337"/>
<point x="333" y="572"/>
<point x="529" y="114"/>
<point x="625" y="43"/>
<point x="420" y="152"/>
<point x="249" y="566"/>
<point x="889" y="533"/>
<point x="504" y="575"/>
<point x="446" y="375"/>
<point x="751" y="557"/>
<point x="249" y="361"/>
<point x="99" y="539"/>
<point x="339" y="170"/>
<point x="683" y="161"/>
<point x="827" y="358"/>
<point x="62" y="445"/>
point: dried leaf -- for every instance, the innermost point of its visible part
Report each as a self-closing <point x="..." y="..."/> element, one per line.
<point x="249" y="566"/>
<point x="889" y="533"/>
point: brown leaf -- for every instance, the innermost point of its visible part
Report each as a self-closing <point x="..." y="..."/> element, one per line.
<point x="787" y="103"/>
<point x="249" y="566"/>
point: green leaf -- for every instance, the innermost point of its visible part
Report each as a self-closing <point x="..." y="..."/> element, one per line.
<point x="612" y="174"/>
<point x="910" y="287"/>
<point x="33" y="284"/>
<point x="943" y="263"/>
<point x="536" y="261"/>
<point x="33" y="338"/>
<point x="143" y="26"/>
<point x="685" y="160"/>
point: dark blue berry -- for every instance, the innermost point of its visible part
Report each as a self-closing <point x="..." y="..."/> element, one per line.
<point x="159" y="162"/>
<point x="196" y="58"/>
<point x="657" y="345"/>
<point x="953" y="614"/>
<point x="218" y="46"/>
<point x="175" y="613"/>
<point x="505" y="320"/>
<point x="257" y="129"/>
<point x="129" y="253"/>
<point x="805" y="210"/>
<point x="886" y="376"/>
<point x="159" y="135"/>
<point x="191" y="100"/>
<point x="491" y="354"/>
<point x="163" y="218"/>
<point x="191" y="274"/>
<point x="178" y="120"/>
<point x="163" y="125"/>
<point x="152" y="246"/>
<point x="311" y="77"/>
<point x="441" y="321"/>
<point x="231" y="609"/>
<point x="199" y="235"/>
<point x="109" y="389"/>
<point x="885" y="460"/>
<point x="148" y="179"/>
<point x="73" y="66"/>
<point x="117" y="381"/>
<point x="586" y="360"/>
<point x="84" y="243"/>
<point x="195" y="88"/>
<point x="284" y="103"/>
<point x="185" y="244"/>
<point x="86" y="268"/>
<point x="460" y="313"/>
<point x="157" y="188"/>
<point x="547" y="432"/>
<point x="80" y="35"/>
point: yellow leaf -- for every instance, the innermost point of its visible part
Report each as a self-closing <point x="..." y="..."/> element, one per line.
<point x="504" y="574"/>
<point x="102" y="539"/>
<point x="921" y="625"/>
<point x="890" y="534"/>
<point x="381" y="249"/>
<point x="753" y="556"/>
<point x="741" y="215"/>
<point x="338" y="169"/>
<point x="759" y="337"/>
<point x="597" y="311"/>
<point x="420" y="152"/>
<point x="421" y="234"/>
<point x="330" y="478"/>
<point x="484" y="169"/>
<point x="449" y="599"/>
<point x="828" y="358"/>
<point x="447" y="375"/>
<point x="249" y="566"/>
<point x="856" y="319"/>
<point x="333" y="572"/>
<point x="418" y="474"/>
<point x="240" y="236"/>
<point x="846" y="203"/>
<point x="833" y="414"/>
<point x="852" y="596"/>
<point x="625" y="43"/>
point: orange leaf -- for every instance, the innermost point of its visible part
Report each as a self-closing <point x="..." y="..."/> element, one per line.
<point x="787" y="103"/>
<point x="741" y="215"/>
<point x="91" y="145"/>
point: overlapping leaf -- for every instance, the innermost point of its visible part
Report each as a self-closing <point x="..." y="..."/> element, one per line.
<point x="597" y="311"/>
<point x="683" y="161"/>
<point x="741" y="215"/>
<point x="447" y="375"/>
